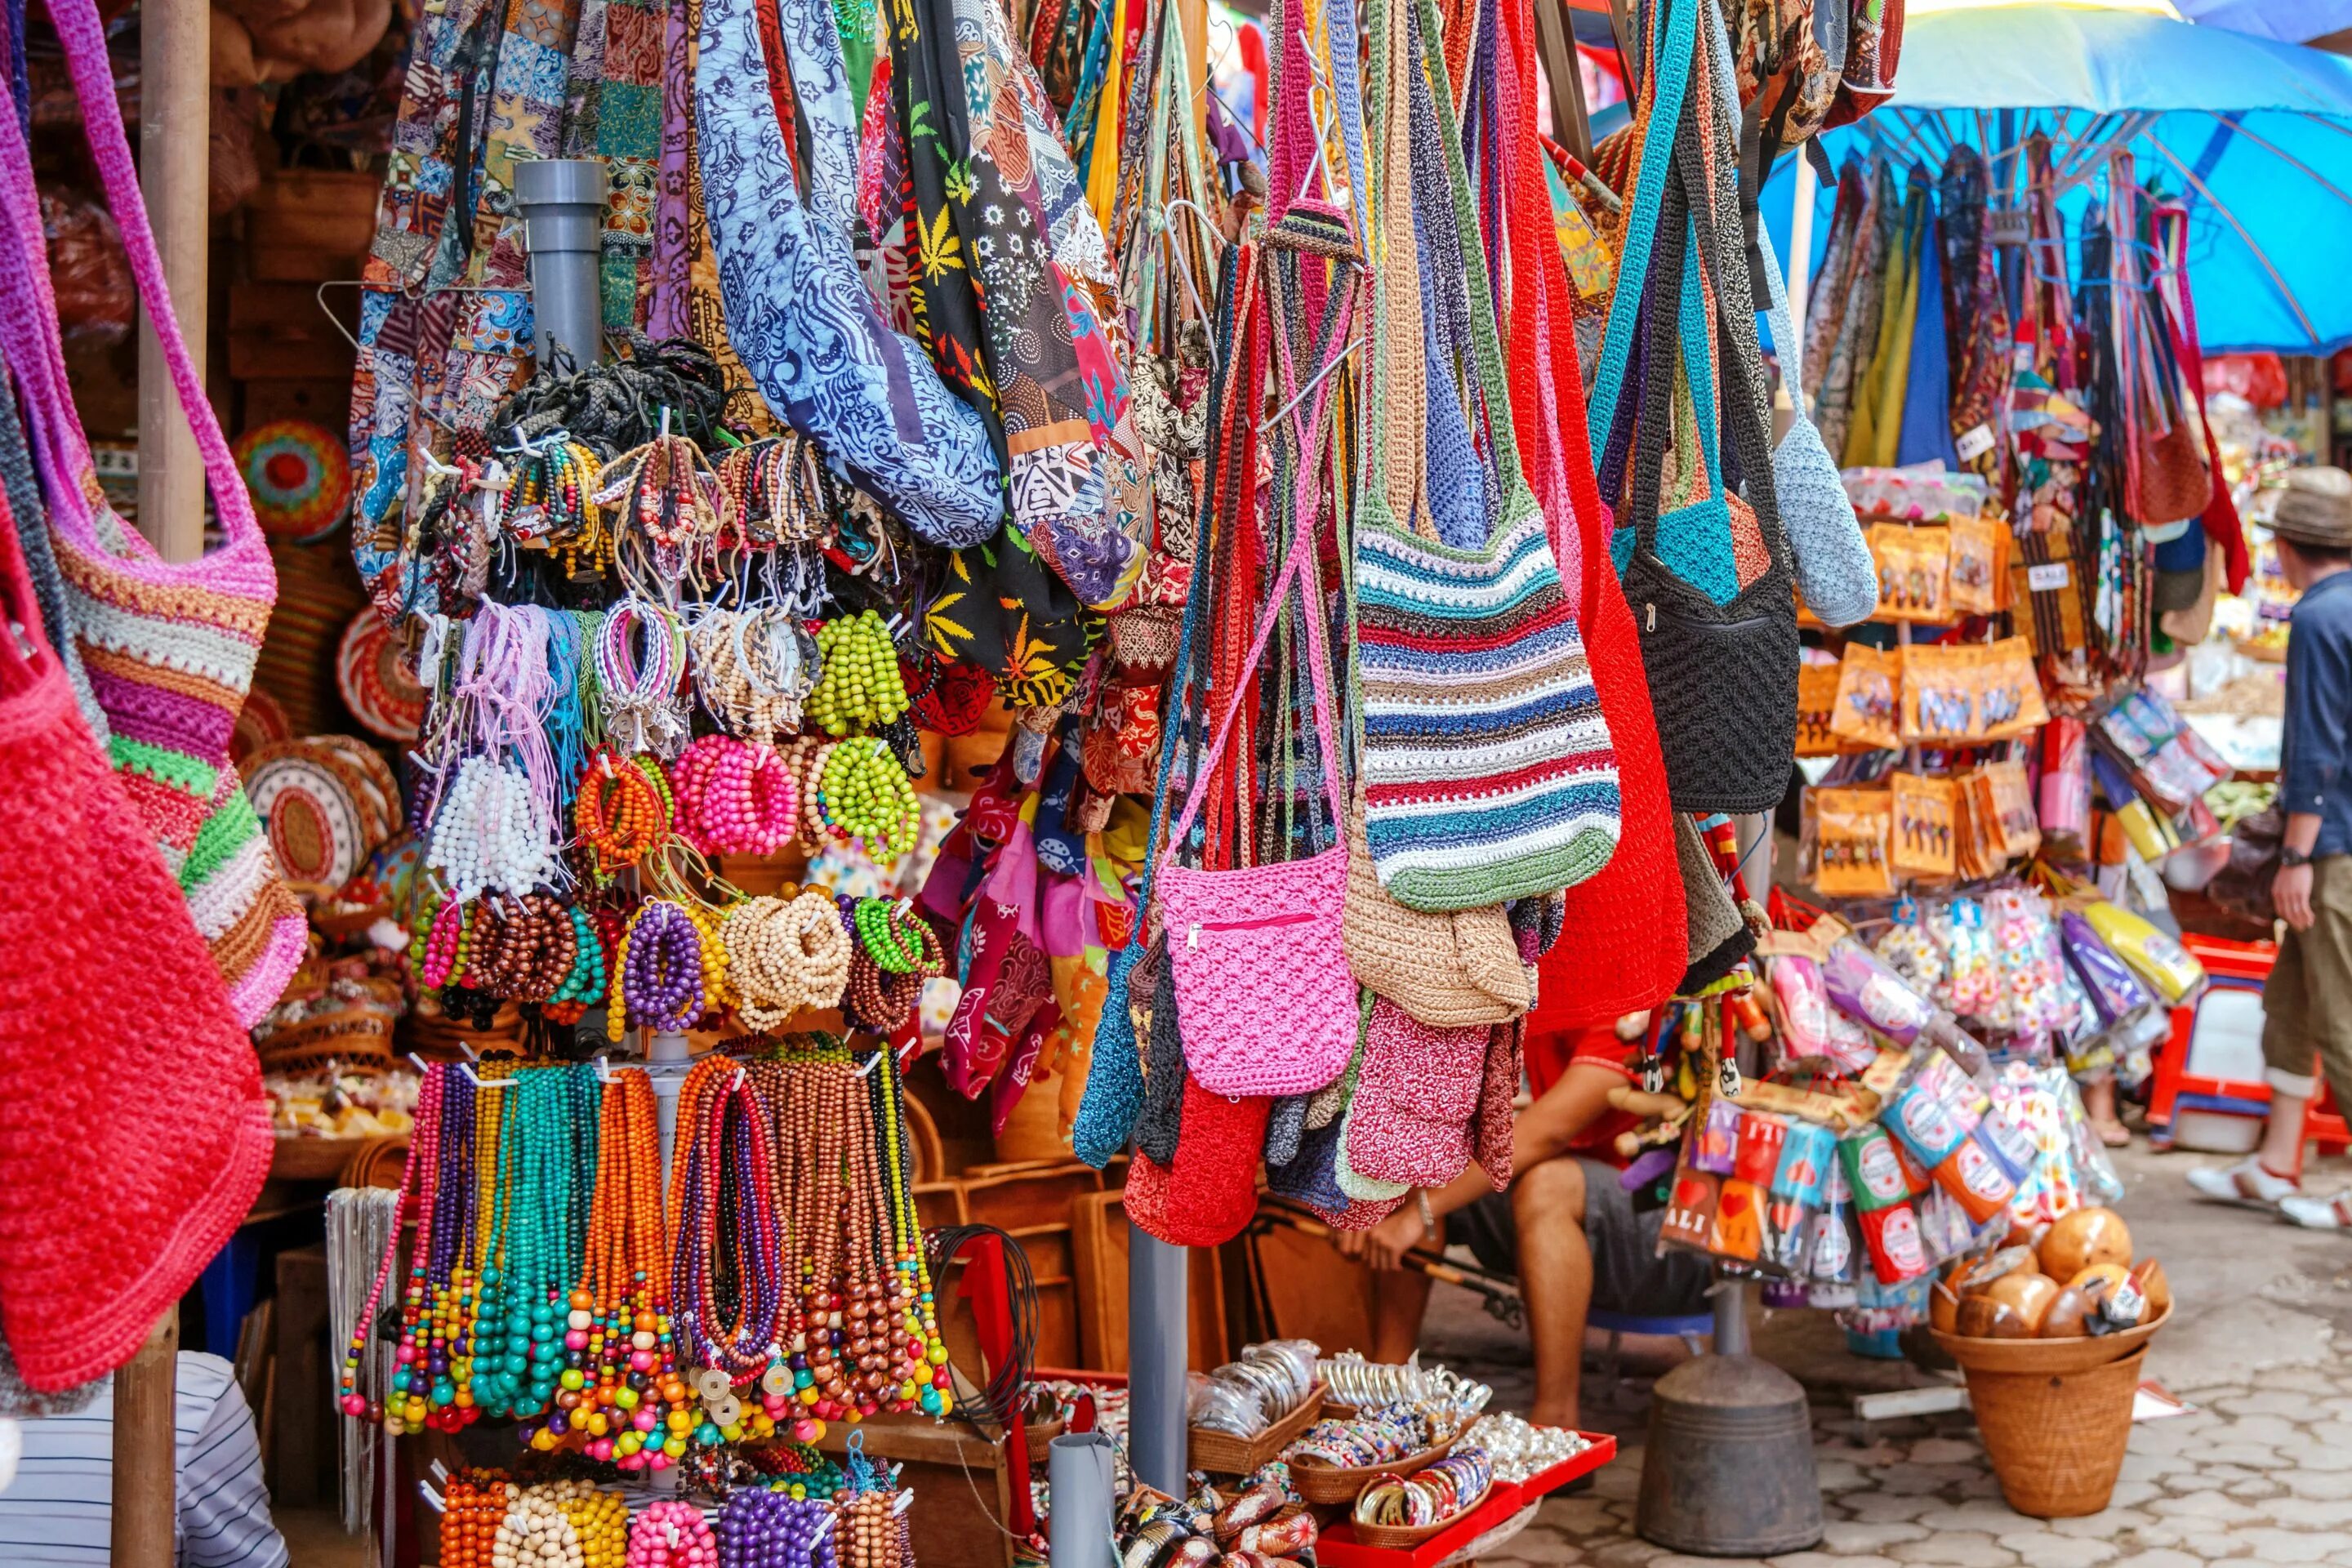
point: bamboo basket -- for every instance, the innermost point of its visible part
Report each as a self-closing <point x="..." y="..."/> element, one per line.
<point x="2056" y="1439"/>
<point x="1333" y="1484"/>
<point x="1405" y="1537"/>
<point x="1223" y="1454"/>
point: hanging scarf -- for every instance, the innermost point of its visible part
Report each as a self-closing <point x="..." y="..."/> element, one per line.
<point x="1976" y="314"/>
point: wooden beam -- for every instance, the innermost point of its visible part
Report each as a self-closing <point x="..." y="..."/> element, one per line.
<point x="175" y="137"/>
<point x="1564" y="74"/>
<point x="146" y="1453"/>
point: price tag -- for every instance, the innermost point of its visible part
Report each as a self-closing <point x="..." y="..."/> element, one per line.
<point x="2044" y="579"/>
<point x="1974" y="443"/>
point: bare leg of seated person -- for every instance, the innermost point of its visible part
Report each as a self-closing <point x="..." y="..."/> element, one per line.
<point x="1556" y="1281"/>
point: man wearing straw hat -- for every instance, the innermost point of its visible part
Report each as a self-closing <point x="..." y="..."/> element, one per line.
<point x="2307" y="1000"/>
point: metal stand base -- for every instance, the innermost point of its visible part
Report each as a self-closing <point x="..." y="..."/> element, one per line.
<point x="1730" y="1469"/>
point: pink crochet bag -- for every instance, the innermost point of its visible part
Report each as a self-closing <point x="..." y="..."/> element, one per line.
<point x="1260" y="961"/>
<point x="170" y="648"/>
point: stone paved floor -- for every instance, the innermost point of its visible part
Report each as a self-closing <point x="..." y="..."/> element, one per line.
<point x="2260" y="1473"/>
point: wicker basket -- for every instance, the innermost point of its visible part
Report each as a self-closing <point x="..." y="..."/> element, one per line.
<point x="1223" y="1454"/>
<point x="2078" y="1354"/>
<point x="1405" y="1537"/>
<point x="2056" y="1439"/>
<point x="1334" y="1484"/>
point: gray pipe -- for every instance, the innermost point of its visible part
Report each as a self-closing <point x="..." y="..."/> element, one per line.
<point x="1078" y="1467"/>
<point x="562" y="204"/>
<point x="1156" y="1347"/>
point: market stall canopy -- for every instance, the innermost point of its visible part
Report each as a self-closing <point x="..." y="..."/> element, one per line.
<point x="2256" y="136"/>
<point x="2289" y="21"/>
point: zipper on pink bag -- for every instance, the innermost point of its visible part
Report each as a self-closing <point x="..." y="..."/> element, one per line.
<point x="1193" y="933"/>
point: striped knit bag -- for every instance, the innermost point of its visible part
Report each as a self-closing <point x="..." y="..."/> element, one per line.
<point x="1487" y="769"/>
<point x="170" y="648"/>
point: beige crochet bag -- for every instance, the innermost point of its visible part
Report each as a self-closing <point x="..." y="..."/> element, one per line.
<point x="1447" y="970"/>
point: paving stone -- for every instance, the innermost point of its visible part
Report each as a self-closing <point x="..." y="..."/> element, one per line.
<point x="2261" y="1488"/>
<point x="2267" y="1402"/>
<point x="2164" y="1557"/>
<point x="1831" y="1560"/>
<point x="1915" y="1478"/>
<point x="2206" y="1506"/>
<point x="1888" y="1507"/>
<point x="2214" y="1545"/>
<point x="2308" y="1513"/>
<point x="1946" y="1451"/>
<point x="1629" y="1552"/>
<point x="1858" y="1536"/>
<point x="1877" y="1456"/>
<point x="1978" y="1513"/>
<point x="2322" y="1458"/>
<point x="1676" y="1560"/>
<point x="1839" y="1474"/>
<point x="1619" y="1481"/>
<point x="2048" y="1549"/>
<point x="2252" y="1456"/>
<point x="2330" y="1486"/>
<point x="2272" y="1430"/>
<point x="1960" y="1548"/>
<point x="2130" y="1493"/>
<point x="2116" y="1520"/>
<point x="1575" y="1515"/>
<point x="2290" y="1545"/>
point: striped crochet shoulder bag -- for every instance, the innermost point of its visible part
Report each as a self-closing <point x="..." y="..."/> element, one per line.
<point x="1487" y="769"/>
<point x="169" y="647"/>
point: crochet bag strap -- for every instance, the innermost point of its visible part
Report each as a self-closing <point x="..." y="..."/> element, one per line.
<point x="38" y="357"/>
<point x="1673" y="35"/>
<point x="1394" y="483"/>
<point x="1297" y="569"/>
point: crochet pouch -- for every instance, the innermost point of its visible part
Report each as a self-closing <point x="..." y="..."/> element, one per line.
<point x="1706" y="571"/>
<point x="1445" y="969"/>
<point x="1416" y="1099"/>
<point x="798" y="311"/>
<point x="1207" y="1195"/>
<point x="1487" y="769"/>
<point x="169" y="647"/>
<point x="1834" y="570"/>
<point x="110" y="986"/>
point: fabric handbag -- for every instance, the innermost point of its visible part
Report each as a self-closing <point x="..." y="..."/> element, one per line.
<point x="798" y="311"/>
<point x="1444" y="970"/>
<point x="1834" y="570"/>
<point x="1706" y="571"/>
<point x="2243" y="886"/>
<point x="111" y="987"/>
<point x="1488" y="774"/>
<point x="1258" y="954"/>
<point x="169" y="647"/>
<point x="1208" y="1193"/>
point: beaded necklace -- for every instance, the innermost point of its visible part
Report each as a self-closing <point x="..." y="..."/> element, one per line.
<point x="925" y="1357"/>
<point x="415" y="1198"/>
<point x="726" y="1274"/>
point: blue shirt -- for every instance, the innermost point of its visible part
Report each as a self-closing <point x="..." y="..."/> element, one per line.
<point x="2313" y="776"/>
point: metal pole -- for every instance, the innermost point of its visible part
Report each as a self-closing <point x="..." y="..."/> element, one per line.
<point x="1155" y="1361"/>
<point x="1799" y="273"/>
<point x="562" y="204"/>
<point x="174" y="133"/>
<point x="1078" y="1465"/>
<point x="146" y="1456"/>
<point x="1731" y="1317"/>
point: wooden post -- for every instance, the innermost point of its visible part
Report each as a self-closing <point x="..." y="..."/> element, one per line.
<point x="146" y="1455"/>
<point x="1555" y="45"/>
<point x="174" y="135"/>
<point x="1193" y="16"/>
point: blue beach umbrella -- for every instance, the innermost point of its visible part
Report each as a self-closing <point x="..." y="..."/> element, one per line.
<point x="2255" y="136"/>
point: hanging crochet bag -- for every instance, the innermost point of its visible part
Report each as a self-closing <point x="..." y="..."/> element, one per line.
<point x="1416" y="1099"/>
<point x="1705" y="569"/>
<point x="1444" y="968"/>
<point x="1487" y="769"/>
<point x="1258" y="955"/>
<point x="797" y="310"/>
<point x="169" y="647"/>
<point x="110" y="988"/>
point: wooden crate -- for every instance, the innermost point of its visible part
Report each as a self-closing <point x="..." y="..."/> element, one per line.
<point x="286" y="331"/>
<point x="1098" y="1246"/>
<point x="307" y="226"/>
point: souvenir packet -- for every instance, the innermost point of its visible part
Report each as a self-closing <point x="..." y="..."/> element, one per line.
<point x="1854" y="831"/>
<point x="1868" y="708"/>
<point x="1817" y="696"/>
<point x="1914" y="570"/>
<point x="1939" y="689"/>
<point x="1926" y="826"/>
<point x="1979" y="565"/>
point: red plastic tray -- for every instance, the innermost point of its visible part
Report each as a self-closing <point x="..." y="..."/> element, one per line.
<point x="1338" y="1547"/>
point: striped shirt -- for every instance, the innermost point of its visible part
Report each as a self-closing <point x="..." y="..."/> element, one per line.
<point x="61" y="1508"/>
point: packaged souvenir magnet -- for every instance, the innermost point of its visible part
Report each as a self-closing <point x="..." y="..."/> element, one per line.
<point x="1871" y="1168"/>
<point x="2012" y="798"/>
<point x="1979" y="552"/>
<point x="1891" y="1235"/>
<point x="1854" y="849"/>
<point x="1867" y="708"/>
<point x="1925" y="1123"/>
<point x="1689" y="1218"/>
<point x="1755" y="1156"/>
<point x="1939" y="687"/>
<point x="1788" y="1235"/>
<point x="1817" y="695"/>
<point x="2009" y="700"/>
<point x="1810" y="1028"/>
<point x="1926" y="826"/>
<point x="2167" y="966"/>
<point x="1739" y="1231"/>
<point x="2065" y="779"/>
<point x="1713" y="1145"/>
<point x="1913" y="564"/>
<point x="1863" y="987"/>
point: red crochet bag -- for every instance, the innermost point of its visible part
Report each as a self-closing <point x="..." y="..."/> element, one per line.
<point x="1208" y="1193"/>
<point x="1624" y="945"/>
<point x="137" y="1134"/>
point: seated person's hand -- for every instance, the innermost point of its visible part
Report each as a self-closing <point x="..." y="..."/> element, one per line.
<point x="1386" y="1243"/>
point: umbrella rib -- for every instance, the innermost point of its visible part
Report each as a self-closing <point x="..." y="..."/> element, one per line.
<point x="2286" y="293"/>
<point x="2314" y="175"/>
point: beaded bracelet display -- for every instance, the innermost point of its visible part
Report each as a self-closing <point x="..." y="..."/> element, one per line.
<point x="768" y="1529"/>
<point x="734" y="797"/>
<point x="672" y="1533"/>
<point x="1451" y="1487"/>
<point x="753" y="669"/>
<point x="643" y="710"/>
<point x="864" y="793"/>
<point x="625" y="810"/>
<point x="658" y="976"/>
<point x="858" y="684"/>
<point x="786" y="955"/>
<point x="493" y="833"/>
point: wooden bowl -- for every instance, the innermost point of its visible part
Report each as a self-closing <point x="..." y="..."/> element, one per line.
<point x="1321" y="1483"/>
<point x="1404" y="1537"/>
<point x="2080" y="1354"/>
